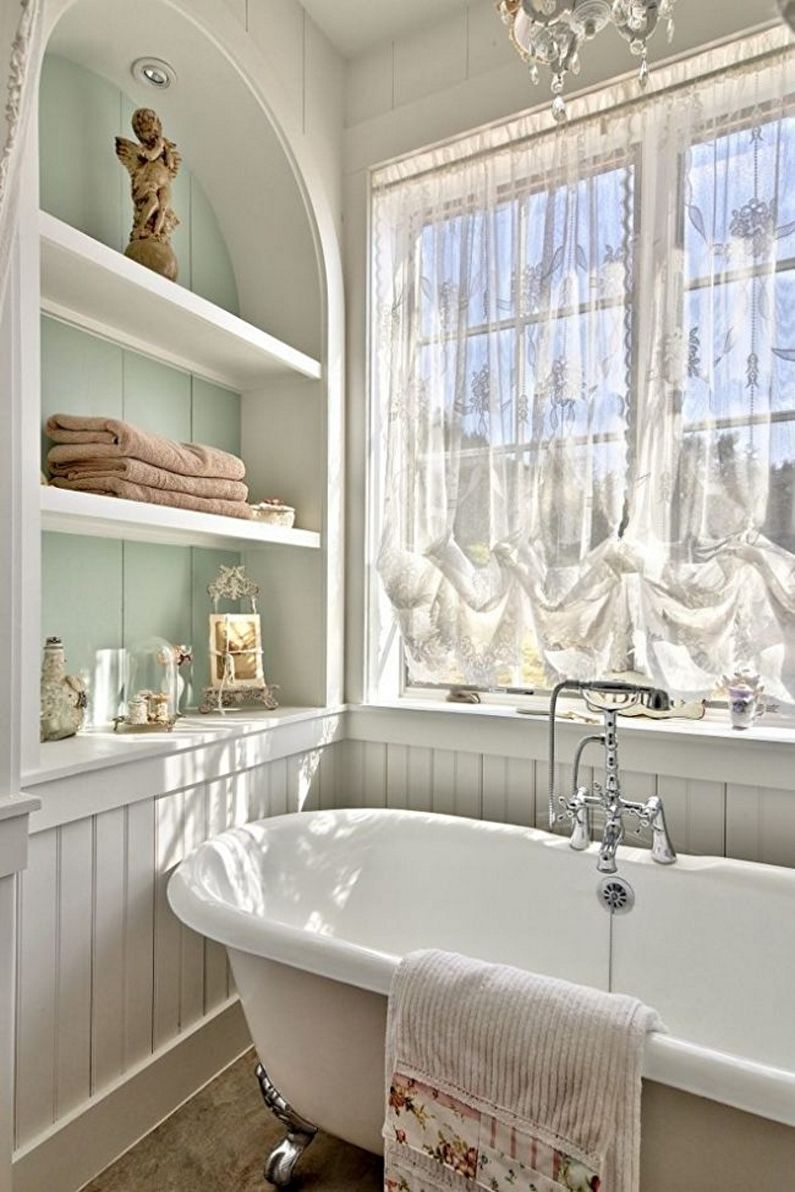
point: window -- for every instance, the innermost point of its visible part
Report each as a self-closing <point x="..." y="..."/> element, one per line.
<point x="583" y="378"/>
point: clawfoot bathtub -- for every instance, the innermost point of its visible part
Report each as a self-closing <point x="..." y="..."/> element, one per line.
<point x="315" y="909"/>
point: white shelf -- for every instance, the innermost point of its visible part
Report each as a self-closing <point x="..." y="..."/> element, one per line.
<point x="68" y="512"/>
<point x="97" y="749"/>
<point x="93" y="286"/>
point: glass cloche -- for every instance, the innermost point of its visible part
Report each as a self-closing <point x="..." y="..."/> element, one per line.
<point x="152" y="685"/>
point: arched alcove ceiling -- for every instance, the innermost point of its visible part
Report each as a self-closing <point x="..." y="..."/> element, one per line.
<point x="230" y="145"/>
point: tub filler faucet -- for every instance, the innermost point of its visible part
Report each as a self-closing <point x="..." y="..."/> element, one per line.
<point x="609" y="697"/>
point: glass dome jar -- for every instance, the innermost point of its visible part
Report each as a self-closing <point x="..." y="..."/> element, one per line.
<point x="151" y="694"/>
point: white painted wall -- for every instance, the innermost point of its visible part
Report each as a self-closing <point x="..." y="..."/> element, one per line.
<point x="312" y="74"/>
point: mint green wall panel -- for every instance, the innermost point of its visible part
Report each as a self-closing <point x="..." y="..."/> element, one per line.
<point x="83" y="183"/>
<point x="82" y="596"/>
<point x="205" y="569"/>
<point x="81" y="180"/>
<point x="80" y="374"/>
<point x="212" y="273"/>
<point x="216" y="416"/>
<point x="157" y="397"/>
<point x="157" y="592"/>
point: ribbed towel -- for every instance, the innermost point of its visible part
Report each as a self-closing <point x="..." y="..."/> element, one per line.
<point x="82" y="438"/>
<point x="134" y="471"/>
<point x="505" y="1080"/>
<point x="115" y="486"/>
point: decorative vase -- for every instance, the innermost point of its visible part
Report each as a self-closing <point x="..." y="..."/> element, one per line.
<point x="63" y="697"/>
<point x="746" y="698"/>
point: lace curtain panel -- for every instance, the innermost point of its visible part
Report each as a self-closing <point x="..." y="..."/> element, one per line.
<point x="584" y="386"/>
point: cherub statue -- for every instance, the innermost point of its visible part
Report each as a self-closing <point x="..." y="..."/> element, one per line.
<point x="153" y="165"/>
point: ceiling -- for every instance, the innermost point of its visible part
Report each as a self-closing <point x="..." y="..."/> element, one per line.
<point x="355" y="25"/>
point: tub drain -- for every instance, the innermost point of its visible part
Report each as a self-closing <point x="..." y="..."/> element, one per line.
<point x="616" y="895"/>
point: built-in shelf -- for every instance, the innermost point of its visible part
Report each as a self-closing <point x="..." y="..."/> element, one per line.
<point x="68" y="512"/>
<point x="96" y="288"/>
<point x="98" y="749"/>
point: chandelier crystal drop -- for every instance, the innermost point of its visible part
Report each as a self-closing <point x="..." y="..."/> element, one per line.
<point x="552" y="32"/>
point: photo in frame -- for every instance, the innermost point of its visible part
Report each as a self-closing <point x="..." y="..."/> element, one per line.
<point x="236" y="651"/>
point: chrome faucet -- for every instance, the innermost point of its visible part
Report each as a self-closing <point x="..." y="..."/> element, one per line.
<point x="607" y="797"/>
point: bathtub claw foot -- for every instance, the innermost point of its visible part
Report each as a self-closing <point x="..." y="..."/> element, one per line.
<point x="281" y="1162"/>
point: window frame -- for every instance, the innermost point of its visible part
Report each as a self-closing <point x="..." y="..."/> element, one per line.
<point x="386" y="679"/>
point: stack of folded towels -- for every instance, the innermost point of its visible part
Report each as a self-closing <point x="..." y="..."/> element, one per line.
<point x="105" y="455"/>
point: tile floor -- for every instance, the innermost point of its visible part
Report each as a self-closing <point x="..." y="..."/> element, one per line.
<point x="218" y="1141"/>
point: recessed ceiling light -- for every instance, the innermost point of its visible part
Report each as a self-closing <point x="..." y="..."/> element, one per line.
<point x="154" y="72"/>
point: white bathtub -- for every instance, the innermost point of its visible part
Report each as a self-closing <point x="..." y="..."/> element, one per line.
<point x="315" y="910"/>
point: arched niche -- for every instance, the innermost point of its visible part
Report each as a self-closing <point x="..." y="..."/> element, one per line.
<point x="229" y="142"/>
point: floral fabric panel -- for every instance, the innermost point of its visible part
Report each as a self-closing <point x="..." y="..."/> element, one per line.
<point x="473" y="1145"/>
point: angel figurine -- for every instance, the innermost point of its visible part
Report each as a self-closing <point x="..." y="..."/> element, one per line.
<point x="153" y="165"/>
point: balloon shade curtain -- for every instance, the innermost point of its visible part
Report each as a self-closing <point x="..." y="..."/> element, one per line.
<point x="583" y="361"/>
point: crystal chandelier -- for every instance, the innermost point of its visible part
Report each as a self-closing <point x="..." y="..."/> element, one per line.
<point x="551" y="32"/>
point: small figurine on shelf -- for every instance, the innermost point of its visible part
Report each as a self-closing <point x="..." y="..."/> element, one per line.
<point x="63" y="697"/>
<point x="153" y="164"/>
<point x="237" y="676"/>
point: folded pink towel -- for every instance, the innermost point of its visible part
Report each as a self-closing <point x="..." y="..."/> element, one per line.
<point x="135" y="471"/>
<point x="84" y="438"/>
<point x="116" y="486"/>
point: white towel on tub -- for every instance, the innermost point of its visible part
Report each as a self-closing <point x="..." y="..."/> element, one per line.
<point x="508" y="1081"/>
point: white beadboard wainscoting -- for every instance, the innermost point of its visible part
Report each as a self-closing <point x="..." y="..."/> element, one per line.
<point x="123" y="1013"/>
<point x="490" y="764"/>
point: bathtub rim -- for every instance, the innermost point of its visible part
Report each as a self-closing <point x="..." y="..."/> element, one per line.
<point x="727" y="1078"/>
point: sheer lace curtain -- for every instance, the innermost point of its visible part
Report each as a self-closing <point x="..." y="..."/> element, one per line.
<point x="584" y="385"/>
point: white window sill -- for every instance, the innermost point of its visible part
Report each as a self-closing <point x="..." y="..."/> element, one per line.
<point x="715" y="723"/>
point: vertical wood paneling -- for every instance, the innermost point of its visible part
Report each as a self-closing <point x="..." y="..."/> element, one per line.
<point x="469" y="785"/>
<point x="327" y="774"/>
<point x="74" y="965"/>
<point x="191" y="973"/>
<point x="442" y="790"/>
<point x="374" y="777"/>
<point x="277" y="801"/>
<point x="217" y="808"/>
<point x="108" y="979"/>
<point x="294" y="782"/>
<point x="509" y="795"/>
<point x="37" y="949"/>
<point x="420" y="778"/>
<point x="258" y="793"/>
<point x="456" y="779"/>
<point x="219" y="804"/>
<point x="397" y="782"/>
<point x="353" y="787"/>
<point x="168" y="842"/>
<point x="760" y="824"/>
<point x="139" y="932"/>
<point x="695" y="812"/>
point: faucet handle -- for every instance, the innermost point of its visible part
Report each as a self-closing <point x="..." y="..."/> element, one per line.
<point x="662" y="851"/>
<point x="580" y="814"/>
